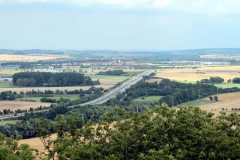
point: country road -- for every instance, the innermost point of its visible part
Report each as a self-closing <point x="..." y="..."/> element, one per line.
<point x="104" y="98"/>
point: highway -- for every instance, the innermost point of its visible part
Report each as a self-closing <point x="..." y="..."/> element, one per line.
<point x="104" y="98"/>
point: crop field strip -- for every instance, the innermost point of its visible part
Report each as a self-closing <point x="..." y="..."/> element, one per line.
<point x="27" y="58"/>
<point x="14" y="105"/>
<point x="189" y="75"/>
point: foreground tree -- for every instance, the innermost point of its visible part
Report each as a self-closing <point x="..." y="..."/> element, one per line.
<point x="161" y="133"/>
<point x="9" y="150"/>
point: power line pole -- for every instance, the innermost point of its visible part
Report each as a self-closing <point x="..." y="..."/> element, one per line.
<point x="82" y="115"/>
<point x="172" y="101"/>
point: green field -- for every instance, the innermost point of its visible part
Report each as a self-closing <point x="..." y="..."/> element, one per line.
<point x="7" y="85"/>
<point x="38" y="99"/>
<point x="10" y="71"/>
<point x="109" y="77"/>
<point x="223" y="85"/>
<point x="147" y="99"/>
<point x="2" y="123"/>
<point x="227" y="85"/>
<point x="193" y="82"/>
<point x="195" y="103"/>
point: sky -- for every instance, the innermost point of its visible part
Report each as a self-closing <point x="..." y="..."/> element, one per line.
<point x="143" y="25"/>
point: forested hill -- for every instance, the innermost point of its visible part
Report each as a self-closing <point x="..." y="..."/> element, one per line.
<point x="51" y="79"/>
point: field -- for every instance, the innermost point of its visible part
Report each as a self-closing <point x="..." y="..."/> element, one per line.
<point x="69" y="88"/>
<point x="6" y="85"/>
<point x="226" y="101"/>
<point x="103" y="77"/>
<point x="27" y="58"/>
<point x="2" y="123"/>
<point x="147" y="99"/>
<point x="14" y="105"/>
<point x="9" y="72"/>
<point x="192" y="75"/>
<point x="36" y="143"/>
<point x="227" y="85"/>
<point x="38" y="99"/>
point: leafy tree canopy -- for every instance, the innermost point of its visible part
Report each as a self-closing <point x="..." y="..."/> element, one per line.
<point x="9" y="150"/>
<point x="161" y="133"/>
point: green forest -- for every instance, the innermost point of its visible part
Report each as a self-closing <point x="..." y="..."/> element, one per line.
<point x="51" y="79"/>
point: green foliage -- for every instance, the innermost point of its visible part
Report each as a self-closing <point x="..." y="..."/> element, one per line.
<point x="51" y="79"/>
<point x="9" y="150"/>
<point x="161" y="133"/>
<point x="113" y="73"/>
<point x="236" y="80"/>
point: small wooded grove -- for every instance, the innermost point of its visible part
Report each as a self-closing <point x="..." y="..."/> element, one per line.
<point x="161" y="133"/>
<point x="112" y="73"/>
<point x="51" y="79"/>
<point x="236" y="80"/>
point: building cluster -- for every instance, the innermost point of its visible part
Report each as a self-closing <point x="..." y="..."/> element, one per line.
<point x="218" y="56"/>
<point x="111" y="63"/>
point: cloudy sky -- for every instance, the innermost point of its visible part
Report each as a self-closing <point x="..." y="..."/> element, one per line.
<point x="152" y="25"/>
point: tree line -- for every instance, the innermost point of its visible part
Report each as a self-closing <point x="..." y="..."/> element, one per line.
<point x="173" y="92"/>
<point x="161" y="133"/>
<point x="112" y="73"/>
<point x="51" y="79"/>
<point x="212" y="80"/>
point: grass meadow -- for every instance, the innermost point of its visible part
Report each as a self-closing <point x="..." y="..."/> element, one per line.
<point x="109" y="77"/>
<point x="7" y="84"/>
<point x="147" y="99"/>
<point x="2" y="123"/>
<point x="57" y="97"/>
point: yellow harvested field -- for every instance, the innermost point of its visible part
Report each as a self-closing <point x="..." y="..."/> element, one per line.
<point x="189" y="74"/>
<point x="27" y="58"/>
<point x="14" y="105"/>
<point x="36" y="144"/>
<point x="107" y="85"/>
<point x="226" y="101"/>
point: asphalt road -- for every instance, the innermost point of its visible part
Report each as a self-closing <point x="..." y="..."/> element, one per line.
<point x="104" y="98"/>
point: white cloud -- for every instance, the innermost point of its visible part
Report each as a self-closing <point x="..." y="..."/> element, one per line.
<point x="192" y="6"/>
